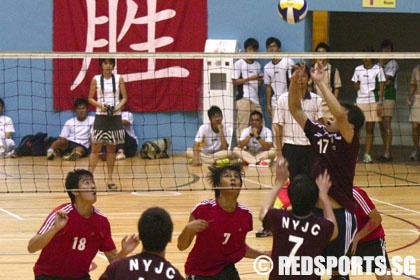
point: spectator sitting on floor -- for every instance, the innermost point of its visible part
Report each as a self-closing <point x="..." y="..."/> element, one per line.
<point x="74" y="139"/>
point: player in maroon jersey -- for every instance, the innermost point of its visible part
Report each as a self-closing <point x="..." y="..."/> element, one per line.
<point x="73" y="233"/>
<point x="155" y="230"/>
<point x="370" y="237"/>
<point x="298" y="232"/>
<point x="335" y="146"/>
<point x="220" y="226"/>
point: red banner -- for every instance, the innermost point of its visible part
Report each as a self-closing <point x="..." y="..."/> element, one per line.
<point x="131" y="26"/>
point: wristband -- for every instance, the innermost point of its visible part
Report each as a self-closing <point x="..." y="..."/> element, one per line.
<point x="380" y="103"/>
<point x="252" y="135"/>
<point x="258" y="137"/>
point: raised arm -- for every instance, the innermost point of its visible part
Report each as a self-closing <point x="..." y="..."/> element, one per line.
<point x="39" y="241"/>
<point x="222" y="135"/>
<point x="324" y="185"/>
<point x="295" y="105"/>
<point x="338" y="111"/>
<point x="128" y="244"/>
<point x="282" y="173"/>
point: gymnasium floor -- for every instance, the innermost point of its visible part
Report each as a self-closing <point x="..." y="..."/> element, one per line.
<point x="31" y="187"/>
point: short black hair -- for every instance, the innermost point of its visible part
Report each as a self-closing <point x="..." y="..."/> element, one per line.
<point x="72" y="181"/>
<point x="102" y="60"/>
<point x="213" y="111"/>
<point x="355" y="115"/>
<point x="271" y="40"/>
<point x="303" y="193"/>
<point x="79" y="102"/>
<point x="253" y="113"/>
<point x="155" y="229"/>
<point x="2" y="102"/>
<point x="216" y="173"/>
<point x="387" y="43"/>
<point x="323" y="45"/>
<point x="251" y="42"/>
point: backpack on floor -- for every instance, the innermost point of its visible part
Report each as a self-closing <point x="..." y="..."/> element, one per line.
<point x="155" y="149"/>
<point x="32" y="145"/>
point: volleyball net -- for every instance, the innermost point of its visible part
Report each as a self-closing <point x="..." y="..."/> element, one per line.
<point x="169" y="95"/>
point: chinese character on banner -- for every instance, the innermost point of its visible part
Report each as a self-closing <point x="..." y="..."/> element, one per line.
<point x="131" y="26"/>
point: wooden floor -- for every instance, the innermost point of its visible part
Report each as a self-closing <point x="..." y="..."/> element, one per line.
<point x="31" y="187"/>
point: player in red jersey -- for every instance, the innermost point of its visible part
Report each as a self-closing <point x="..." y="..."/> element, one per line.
<point x="335" y="146"/>
<point x="220" y="226"/>
<point x="73" y="233"/>
<point x="370" y="237"/>
<point x="298" y="232"/>
<point x="155" y="230"/>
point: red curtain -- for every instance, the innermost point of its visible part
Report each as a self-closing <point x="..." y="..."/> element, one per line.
<point x="131" y="26"/>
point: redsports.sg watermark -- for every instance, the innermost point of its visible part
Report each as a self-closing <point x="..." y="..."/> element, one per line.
<point x="263" y="265"/>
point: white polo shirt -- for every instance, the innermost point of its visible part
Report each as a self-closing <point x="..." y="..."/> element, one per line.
<point x="253" y="144"/>
<point x="210" y="139"/>
<point x="246" y="70"/>
<point x="276" y="76"/>
<point x="367" y="79"/>
<point x="292" y="132"/>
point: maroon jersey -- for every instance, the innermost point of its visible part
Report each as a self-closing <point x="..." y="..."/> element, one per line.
<point x="142" y="266"/>
<point x="333" y="153"/>
<point x="222" y="242"/>
<point x="72" y="249"/>
<point x="363" y="208"/>
<point x="307" y="236"/>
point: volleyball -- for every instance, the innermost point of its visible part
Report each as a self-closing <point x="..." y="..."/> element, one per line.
<point x="292" y="11"/>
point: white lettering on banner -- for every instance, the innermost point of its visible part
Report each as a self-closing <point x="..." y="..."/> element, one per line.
<point x="305" y="265"/>
<point x="150" y="45"/>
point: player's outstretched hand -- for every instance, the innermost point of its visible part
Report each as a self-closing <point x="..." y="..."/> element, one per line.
<point x="324" y="183"/>
<point x="282" y="170"/>
<point x="298" y="70"/>
<point x="129" y="243"/>
<point x="61" y="219"/>
<point x="317" y="74"/>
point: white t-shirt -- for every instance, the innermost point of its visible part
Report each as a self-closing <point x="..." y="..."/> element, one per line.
<point x="6" y="125"/>
<point x="367" y="79"/>
<point x="247" y="70"/>
<point x="292" y="132"/>
<point x="211" y="140"/>
<point x="253" y="144"/>
<point x="78" y="131"/>
<point x="128" y="116"/>
<point x="391" y="69"/>
<point x="276" y="76"/>
<point x="108" y="97"/>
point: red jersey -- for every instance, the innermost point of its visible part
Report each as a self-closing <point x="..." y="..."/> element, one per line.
<point x="72" y="249"/>
<point x="333" y="153"/>
<point x="142" y="266"/>
<point x="222" y="242"/>
<point x="309" y="235"/>
<point x="363" y="208"/>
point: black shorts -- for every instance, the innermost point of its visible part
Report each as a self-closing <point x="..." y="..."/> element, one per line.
<point x="347" y="228"/>
<point x="72" y="145"/>
<point x="373" y="248"/>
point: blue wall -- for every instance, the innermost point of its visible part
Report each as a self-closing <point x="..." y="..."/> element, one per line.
<point x="27" y="26"/>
